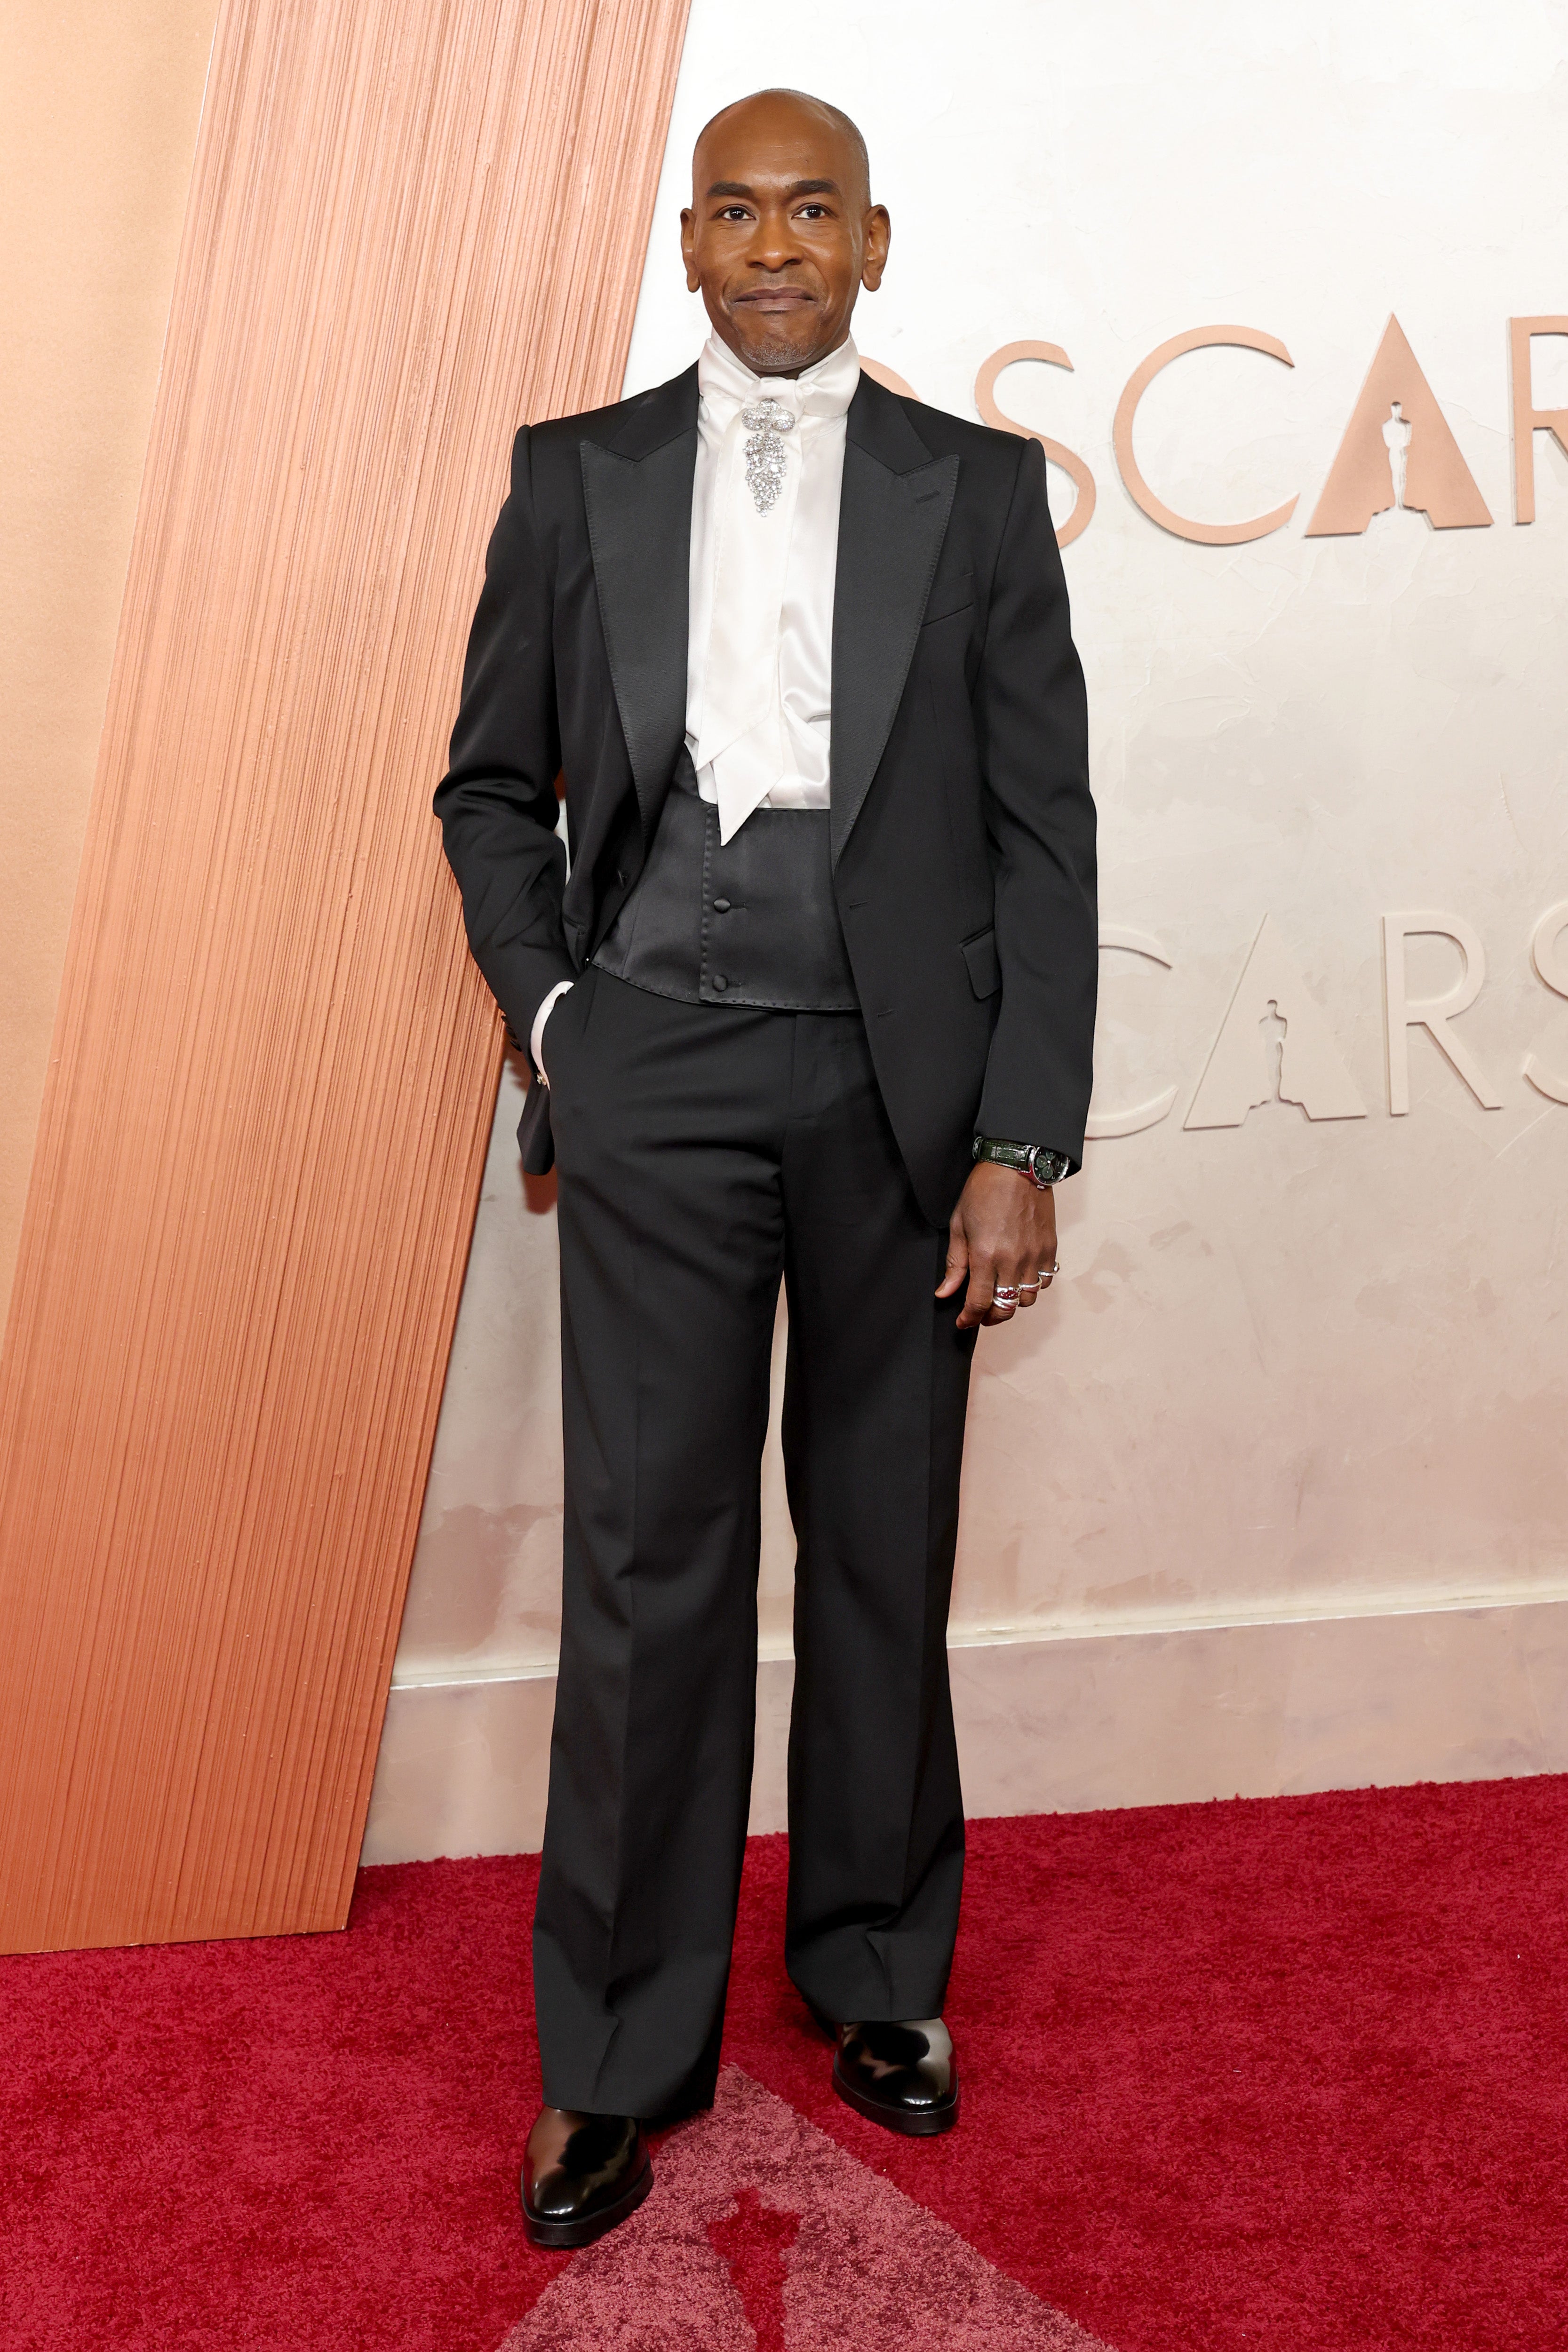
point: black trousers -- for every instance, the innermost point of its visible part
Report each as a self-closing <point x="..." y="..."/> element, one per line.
<point x="705" y="1151"/>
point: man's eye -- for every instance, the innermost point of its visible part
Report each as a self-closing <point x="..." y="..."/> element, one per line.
<point x="733" y="213"/>
<point x="813" y="211"/>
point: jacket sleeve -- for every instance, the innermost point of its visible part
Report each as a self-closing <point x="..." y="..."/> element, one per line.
<point x="1032" y="732"/>
<point x="497" y="802"/>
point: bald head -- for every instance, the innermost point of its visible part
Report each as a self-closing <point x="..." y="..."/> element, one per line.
<point x="782" y="233"/>
<point x="767" y="105"/>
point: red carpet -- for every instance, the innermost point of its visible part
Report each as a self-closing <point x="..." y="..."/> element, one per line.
<point x="772" y="2237"/>
<point x="1283" y="2074"/>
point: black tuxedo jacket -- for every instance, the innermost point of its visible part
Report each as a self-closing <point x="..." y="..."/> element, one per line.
<point x="962" y="827"/>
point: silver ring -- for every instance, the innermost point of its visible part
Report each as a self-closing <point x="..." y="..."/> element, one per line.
<point x="1004" y="1294"/>
<point x="1048" y="1271"/>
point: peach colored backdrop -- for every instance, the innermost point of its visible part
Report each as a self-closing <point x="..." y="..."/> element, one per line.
<point x="96" y="137"/>
<point x="273" y="1067"/>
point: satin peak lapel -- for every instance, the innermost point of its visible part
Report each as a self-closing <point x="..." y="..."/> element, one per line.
<point x="637" y="492"/>
<point x="892" y="520"/>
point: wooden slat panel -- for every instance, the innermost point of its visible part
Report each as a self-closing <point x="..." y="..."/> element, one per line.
<point x="412" y="224"/>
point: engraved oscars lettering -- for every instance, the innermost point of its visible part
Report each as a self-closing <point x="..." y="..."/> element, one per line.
<point x="888" y="378"/>
<point x="1071" y="463"/>
<point x="1549" y="954"/>
<point x="1274" y="1044"/>
<point x="1307" y="1069"/>
<point x="1529" y="420"/>
<point x="1435" y="1013"/>
<point x="1102" y="1123"/>
<point x="1397" y="453"/>
<point x="1206" y="534"/>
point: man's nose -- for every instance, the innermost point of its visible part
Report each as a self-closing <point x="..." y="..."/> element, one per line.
<point x="773" y="246"/>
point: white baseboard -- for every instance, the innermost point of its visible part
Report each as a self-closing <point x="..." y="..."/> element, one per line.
<point x="1073" y="1723"/>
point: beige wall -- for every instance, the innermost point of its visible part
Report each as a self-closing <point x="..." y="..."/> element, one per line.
<point x="99" y="108"/>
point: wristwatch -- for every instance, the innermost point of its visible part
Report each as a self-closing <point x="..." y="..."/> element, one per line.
<point x="1043" y="1168"/>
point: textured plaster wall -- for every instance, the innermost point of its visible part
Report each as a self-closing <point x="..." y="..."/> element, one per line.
<point x="97" y="128"/>
<point x="1294" y="1367"/>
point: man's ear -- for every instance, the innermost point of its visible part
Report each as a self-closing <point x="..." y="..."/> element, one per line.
<point x="687" y="247"/>
<point x="878" y="234"/>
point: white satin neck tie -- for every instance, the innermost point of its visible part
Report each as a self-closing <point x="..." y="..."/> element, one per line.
<point x="766" y="426"/>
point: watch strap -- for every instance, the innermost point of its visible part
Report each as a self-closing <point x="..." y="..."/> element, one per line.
<point x="1042" y="1166"/>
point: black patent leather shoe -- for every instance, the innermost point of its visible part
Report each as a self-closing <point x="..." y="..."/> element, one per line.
<point x="581" y="2174"/>
<point x="905" y="2076"/>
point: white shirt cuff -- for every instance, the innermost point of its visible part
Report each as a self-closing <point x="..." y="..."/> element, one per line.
<point x="539" y="1029"/>
<point x="536" y="1034"/>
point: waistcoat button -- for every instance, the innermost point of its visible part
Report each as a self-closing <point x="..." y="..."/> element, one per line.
<point x="719" y="981"/>
<point x="721" y="906"/>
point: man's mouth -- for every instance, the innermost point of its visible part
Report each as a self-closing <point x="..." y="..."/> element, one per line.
<point x="775" y="298"/>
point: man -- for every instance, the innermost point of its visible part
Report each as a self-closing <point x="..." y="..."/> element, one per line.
<point x="814" y="1003"/>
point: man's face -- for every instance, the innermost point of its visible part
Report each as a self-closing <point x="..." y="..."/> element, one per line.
<point x="782" y="234"/>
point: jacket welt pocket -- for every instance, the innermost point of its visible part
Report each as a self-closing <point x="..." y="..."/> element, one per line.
<point x="984" y="967"/>
<point x="950" y="596"/>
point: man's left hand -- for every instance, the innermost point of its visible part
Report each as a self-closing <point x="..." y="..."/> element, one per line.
<point x="1002" y="1242"/>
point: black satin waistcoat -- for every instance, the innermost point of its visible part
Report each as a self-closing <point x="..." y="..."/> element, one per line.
<point x="751" y="921"/>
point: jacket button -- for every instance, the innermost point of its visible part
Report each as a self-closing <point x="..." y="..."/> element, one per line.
<point x="721" y="906"/>
<point x="719" y="981"/>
